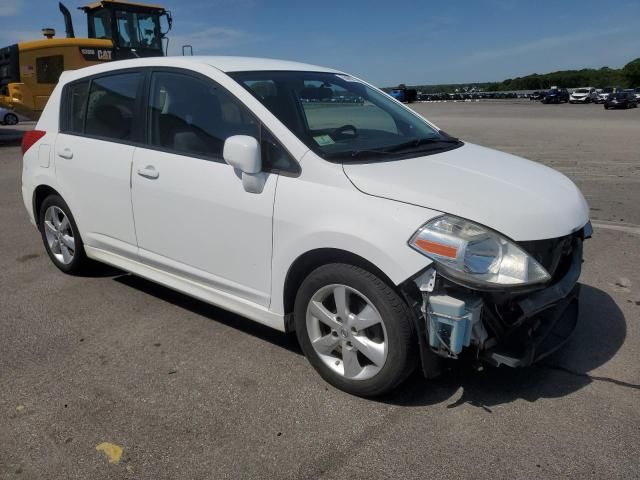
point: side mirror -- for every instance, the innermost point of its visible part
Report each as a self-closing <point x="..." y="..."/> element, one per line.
<point x="243" y="152"/>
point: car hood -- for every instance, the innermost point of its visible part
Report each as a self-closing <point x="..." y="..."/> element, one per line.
<point x="519" y="198"/>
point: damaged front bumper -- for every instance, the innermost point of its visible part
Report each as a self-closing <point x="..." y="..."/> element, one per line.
<point x="508" y="327"/>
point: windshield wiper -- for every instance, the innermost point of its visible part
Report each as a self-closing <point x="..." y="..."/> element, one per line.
<point x="419" y="141"/>
<point x="416" y="142"/>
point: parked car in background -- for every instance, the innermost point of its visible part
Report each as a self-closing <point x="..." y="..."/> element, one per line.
<point x="604" y="93"/>
<point x="637" y="93"/>
<point x="382" y="248"/>
<point x="9" y="117"/>
<point x="404" y="95"/>
<point x="537" y="95"/>
<point x="621" y="100"/>
<point x="583" y="95"/>
<point x="556" y="95"/>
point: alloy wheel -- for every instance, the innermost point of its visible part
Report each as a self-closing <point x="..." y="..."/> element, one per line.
<point x="347" y="332"/>
<point x="59" y="234"/>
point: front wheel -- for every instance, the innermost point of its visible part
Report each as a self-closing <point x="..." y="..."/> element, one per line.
<point x="355" y="330"/>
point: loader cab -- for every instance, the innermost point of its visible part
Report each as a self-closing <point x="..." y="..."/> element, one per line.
<point x="135" y="29"/>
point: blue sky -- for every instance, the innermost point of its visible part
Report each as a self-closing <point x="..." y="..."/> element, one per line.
<point x="387" y="42"/>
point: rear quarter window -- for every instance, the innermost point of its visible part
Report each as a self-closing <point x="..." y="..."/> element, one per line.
<point x="75" y="105"/>
<point x="111" y="107"/>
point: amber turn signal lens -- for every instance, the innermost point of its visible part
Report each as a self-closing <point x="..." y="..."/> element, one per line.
<point x="437" y="248"/>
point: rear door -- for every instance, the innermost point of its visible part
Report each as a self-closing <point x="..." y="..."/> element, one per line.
<point x="193" y="217"/>
<point x="94" y="155"/>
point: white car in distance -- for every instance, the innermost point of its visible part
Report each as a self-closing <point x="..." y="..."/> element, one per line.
<point x="384" y="242"/>
<point x="583" y="95"/>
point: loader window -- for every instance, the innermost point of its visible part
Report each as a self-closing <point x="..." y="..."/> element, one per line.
<point x="49" y="69"/>
<point x="138" y="30"/>
<point x="102" y="25"/>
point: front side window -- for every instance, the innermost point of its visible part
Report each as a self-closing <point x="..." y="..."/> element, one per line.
<point x="194" y="116"/>
<point x="111" y="106"/>
<point x="338" y="116"/>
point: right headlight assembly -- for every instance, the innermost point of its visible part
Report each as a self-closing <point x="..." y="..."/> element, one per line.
<point x="476" y="255"/>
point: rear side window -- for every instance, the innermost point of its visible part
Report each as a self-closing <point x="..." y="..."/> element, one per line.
<point x="111" y="107"/>
<point x="76" y="106"/>
<point x="194" y="116"/>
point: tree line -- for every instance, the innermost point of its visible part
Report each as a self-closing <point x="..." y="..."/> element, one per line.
<point x="626" y="77"/>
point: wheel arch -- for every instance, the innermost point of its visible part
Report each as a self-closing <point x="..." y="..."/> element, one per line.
<point x="312" y="259"/>
<point x="39" y="194"/>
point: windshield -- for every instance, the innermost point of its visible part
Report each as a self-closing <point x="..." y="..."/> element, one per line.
<point x="581" y="90"/>
<point x="338" y="116"/>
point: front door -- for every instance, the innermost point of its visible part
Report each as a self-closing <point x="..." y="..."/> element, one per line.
<point x="192" y="215"/>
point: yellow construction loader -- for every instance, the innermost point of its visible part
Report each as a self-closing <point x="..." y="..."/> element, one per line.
<point x="117" y="29"/>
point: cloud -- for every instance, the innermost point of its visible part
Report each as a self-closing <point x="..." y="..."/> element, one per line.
<point x="9" y="8"/>
<point x="210" y="39"/>
<point x="538" y="45"/>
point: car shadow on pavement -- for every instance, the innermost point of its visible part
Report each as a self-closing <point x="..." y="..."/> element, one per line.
<point x="600" y="333"/>
<point x="286" y="341"/>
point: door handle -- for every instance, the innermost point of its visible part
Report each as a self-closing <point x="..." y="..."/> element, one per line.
<point x="149" y="172"/>
<point x="65" y="153"/>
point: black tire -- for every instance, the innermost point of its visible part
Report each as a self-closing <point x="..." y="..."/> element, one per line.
<point x="79" y="263"/>
<point x="10" y="119"/>
<point x="397" y="319"/>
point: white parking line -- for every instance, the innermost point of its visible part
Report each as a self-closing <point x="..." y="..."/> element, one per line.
<point x="627" y="228"/>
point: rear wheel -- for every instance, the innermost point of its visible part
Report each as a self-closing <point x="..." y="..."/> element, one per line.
<point x="355" y="330"/>
<point x="61" y="237"/>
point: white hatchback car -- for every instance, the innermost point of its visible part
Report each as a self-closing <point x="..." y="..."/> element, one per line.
<point x="305" y="199"/>
<point x="583" y="95"/>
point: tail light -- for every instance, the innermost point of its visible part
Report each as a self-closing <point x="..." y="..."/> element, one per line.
<point x="31" y="137"/>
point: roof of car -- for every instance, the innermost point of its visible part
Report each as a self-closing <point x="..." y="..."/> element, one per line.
<point x="223" y="63"/>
